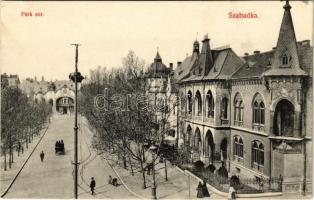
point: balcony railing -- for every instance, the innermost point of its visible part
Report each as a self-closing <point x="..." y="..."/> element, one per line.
<point x="238" y="159"/>
<point x="257" y="167"/>
<point x="259" y="127"/>
<point x="238" y="123"/>
<point x="224" y="121"/>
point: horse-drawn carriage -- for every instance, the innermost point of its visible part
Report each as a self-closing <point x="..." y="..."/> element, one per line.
<point x="59" y="148"/>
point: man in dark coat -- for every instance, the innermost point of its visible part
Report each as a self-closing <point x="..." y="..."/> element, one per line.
<point x="42" y="156"/>
<point x="92" y="185"/>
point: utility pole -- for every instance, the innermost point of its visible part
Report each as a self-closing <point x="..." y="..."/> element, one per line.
<point x="76" y="77"/>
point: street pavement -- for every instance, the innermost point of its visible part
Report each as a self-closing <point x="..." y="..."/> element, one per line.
<point x="53" y="178"/>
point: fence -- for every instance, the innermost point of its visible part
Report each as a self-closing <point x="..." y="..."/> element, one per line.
<point x="246" y="185"/>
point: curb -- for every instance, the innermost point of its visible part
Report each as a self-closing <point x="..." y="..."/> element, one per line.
<point x="126" y="187"/>
<point x="224" y="194"/>
<point x="18" y="173"/>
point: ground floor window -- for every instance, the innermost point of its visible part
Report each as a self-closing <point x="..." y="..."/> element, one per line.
<point x="257" y="155"/>
<point x="238" y="148"/>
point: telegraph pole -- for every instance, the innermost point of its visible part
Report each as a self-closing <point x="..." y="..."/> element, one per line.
<point x="76" y="78"/>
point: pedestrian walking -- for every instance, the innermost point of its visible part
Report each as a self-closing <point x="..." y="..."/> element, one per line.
<point x="200" y="190"/>
<point x="232" y="193"/>
<point x="115" y="181"/>
<point x="110" y="180"/>
<point x="205" y="190"/>
<point x="42" y="156"/>
<point x="92" y="185"/>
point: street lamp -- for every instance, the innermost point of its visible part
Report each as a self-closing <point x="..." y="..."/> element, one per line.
<point x="76" y="77"/>
<point x="153" y="149"/>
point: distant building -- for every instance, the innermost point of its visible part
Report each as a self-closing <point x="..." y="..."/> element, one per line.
<point x="162" y="94"/>
<point x="60" y="94"/>
<point x="9" y="80"/>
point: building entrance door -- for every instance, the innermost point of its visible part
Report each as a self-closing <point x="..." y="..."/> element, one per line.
<point x="65" y="110"/>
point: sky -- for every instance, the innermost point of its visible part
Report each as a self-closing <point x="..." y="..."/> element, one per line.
<point x="40" y="45"/>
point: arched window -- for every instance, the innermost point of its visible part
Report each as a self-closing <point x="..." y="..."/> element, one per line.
<point x="189" y="102"/>
<point x="198" y="103"/>
<point x="224" y="108"/>
<point x="197" y="140"/>
<point x="284" y="118"/>
<point x="238" y="148"/>
<point x="210" y="104"/>
<point x="188" y="137"/>
<point x="238" y="110"/>
<point x="258" y="113"/>
<point x="286" y="60"/>
<point x="257" y="156"/>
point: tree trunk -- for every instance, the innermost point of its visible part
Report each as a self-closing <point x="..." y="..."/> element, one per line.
<point x="143" y="174"/>
<point x="12" y="152"/>
<point x="166" y="174"/>
<point x="5" y="159"/>
<point x="124" y="162"/>
<point x="26" y="138"/>
<point x="18" y="149"/>
<point x="131" y="166"/>
<point x="10" y="156"/>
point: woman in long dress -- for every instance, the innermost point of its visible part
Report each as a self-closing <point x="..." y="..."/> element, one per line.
<point x="200" y="190"/>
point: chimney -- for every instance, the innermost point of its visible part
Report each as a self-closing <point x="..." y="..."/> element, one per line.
<point x="171" y="66"/>
<point x="306" y="43"/>
<point x="256" y="52"/>
<point x="179" y="63"/>
<point x="246" y="54"/>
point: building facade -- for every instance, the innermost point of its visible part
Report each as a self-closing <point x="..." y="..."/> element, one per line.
<point x="253" y="112"/>
<point x="59" y="94"/>
<point x="162" y="96"/>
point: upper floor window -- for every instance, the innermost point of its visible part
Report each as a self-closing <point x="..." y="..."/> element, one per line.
<point x="198" y="103"/>
<point x="285" y="60"/>
<point x="210" y="104"/>
<point x="257" y="155"/>
<point x="258" y="112"/>
<point x="224" y="108"/>
<point x="238" y="110"/>
<point x="189" y="102"/>
<point x="238" y="148"/>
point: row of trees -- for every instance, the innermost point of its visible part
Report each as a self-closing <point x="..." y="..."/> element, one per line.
<point x="21" y="119"/>
<point x="117" y="107"/>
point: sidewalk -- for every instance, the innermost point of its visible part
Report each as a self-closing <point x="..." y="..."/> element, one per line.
<point x="177" y="186"/>
<point x="7" y="176"/>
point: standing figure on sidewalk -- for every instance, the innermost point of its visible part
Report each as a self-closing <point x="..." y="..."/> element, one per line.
<point x="92" y="185"/>
<point x="200" y="190"/>
<point x="232" y="193"/>
<point x="110" y="180"/>
<point x="205" y="190"/>
<point x="42" y="156"/>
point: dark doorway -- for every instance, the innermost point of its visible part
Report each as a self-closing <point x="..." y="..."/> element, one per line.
<point x="65" y="110"/>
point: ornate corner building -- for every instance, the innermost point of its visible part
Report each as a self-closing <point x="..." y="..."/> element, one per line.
<point x="253" y="112"/>
<point x="59" y="94"/>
